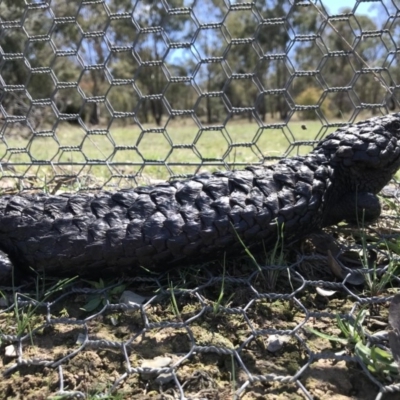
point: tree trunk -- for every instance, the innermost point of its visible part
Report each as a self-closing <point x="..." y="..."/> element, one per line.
<point x="94" y="115"/>
<point x="157" y="111"/>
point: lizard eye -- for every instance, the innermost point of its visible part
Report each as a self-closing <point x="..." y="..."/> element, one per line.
<point x="393" y="126"/>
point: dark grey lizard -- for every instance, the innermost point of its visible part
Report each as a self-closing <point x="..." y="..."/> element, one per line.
<point x="198" y="219"/>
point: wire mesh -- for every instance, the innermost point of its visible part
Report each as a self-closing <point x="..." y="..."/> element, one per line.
<point x="100" y="93"/>
<point x="108" y="94"/>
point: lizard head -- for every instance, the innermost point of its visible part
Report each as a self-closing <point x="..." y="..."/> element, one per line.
<point x="365" y="154"/>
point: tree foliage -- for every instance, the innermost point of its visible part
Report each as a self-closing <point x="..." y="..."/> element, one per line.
<point x="151" y="59"/>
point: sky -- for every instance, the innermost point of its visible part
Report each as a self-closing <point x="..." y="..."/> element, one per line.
<point x="335" y="5"/>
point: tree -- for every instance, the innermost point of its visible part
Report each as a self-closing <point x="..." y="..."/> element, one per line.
<point x="146" y="39"/>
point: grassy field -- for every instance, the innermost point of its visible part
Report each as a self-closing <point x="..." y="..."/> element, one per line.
<point x="153" y="154"/>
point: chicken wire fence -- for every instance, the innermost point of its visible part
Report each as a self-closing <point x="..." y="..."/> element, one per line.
<point x="109" y="94"/>
<point x="98" y="93"/>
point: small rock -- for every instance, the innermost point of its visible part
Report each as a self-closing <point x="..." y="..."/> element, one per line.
<point x="3" y="302"/>
<point x="11" y="351"/>
<point x="276" y="342"/>
<point x="325" y="292"/>
<point x="164" y="378"/>
<point x="131" y="299"/>
<point x="157" y="362"/>
<point x="81" y="338"/>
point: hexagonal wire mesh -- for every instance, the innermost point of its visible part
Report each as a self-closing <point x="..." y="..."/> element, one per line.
<point x="109" y="93"/>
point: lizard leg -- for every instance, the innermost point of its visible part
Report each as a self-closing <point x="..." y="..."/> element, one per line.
<point x="361" y="207"/>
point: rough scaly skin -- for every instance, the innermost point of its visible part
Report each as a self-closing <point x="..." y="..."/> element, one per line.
<point x="198" y="219"/>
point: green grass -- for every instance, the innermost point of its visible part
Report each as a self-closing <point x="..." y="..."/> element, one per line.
<point x="122" y="150"/>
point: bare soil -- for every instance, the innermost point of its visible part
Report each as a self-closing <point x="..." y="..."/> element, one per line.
<point x="240" y="321"/>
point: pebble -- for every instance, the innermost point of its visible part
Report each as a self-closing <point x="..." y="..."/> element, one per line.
<point x="131" y="298"/>
<point x="276" y="342"/>
<point x="164" y="378"/>
<point x="157" y="362"/>
<point x="81" y="338"/>
<point x="11" y="351"/>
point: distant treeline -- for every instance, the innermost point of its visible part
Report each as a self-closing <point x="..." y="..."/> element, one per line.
<point x="145" y="62"/>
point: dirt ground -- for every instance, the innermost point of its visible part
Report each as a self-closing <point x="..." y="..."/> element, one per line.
<point x="216" y="334"/>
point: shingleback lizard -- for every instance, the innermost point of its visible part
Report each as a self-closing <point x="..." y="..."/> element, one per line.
<point x="195" y="220"/>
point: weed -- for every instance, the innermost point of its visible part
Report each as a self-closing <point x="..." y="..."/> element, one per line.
<point x="273" y="259"/>
<point x="351" y="330"/>
<point x="217" y="304"/>
<point x="246" y="249"/>
<point x="105" y="291"/>
<point x="378" y="361"/>
<point x="276" y="257"/>
<point x="25" y="315"/>
<point x="94" y="396"/>
<point x="174" y="303"/>
<point x="376" y="279"/>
